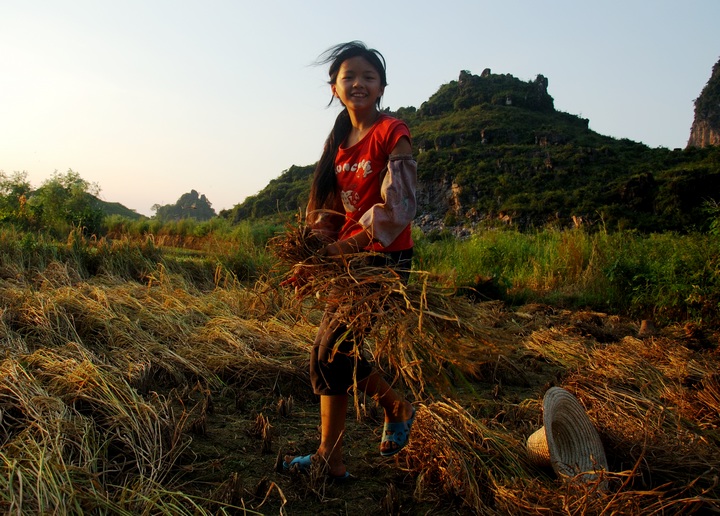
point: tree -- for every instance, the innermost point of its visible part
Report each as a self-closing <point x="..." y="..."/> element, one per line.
<point x="14" y="192"/>
<point x="65" y="201"/>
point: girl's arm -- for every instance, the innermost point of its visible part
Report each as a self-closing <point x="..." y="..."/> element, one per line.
<point x="402" y="147"/>
<point x="353" y="244"/>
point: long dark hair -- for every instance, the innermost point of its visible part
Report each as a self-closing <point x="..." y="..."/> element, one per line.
<point x="322" y="191"/>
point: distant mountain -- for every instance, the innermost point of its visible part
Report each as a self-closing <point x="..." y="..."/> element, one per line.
<point x="706" y="124"/>
<point x="114" y="208"/>
<point x="286" y="194"/>
<point x="493" y="148"/>
<point x="191" y="205"/>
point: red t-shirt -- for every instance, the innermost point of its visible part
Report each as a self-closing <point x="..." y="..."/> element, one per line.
<point x="357" y="170"/>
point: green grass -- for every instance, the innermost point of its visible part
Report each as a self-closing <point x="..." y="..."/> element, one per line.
<point x="665" y="276"/>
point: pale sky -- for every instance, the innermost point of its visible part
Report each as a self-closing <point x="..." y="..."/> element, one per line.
<point x="153" y="98"/>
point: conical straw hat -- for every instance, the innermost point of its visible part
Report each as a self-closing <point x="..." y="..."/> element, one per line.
<point x="568" y="440"/>
<point x="537" y="448"/>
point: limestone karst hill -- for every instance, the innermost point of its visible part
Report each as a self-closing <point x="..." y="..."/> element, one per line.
<point x="705" y="129"/>
<point x="493" y="147"/>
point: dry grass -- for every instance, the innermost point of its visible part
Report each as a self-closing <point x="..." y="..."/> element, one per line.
<point x="420" y="331"/>
<point x="654" y="403"/>
<point x="108" y="388"/>
<point x="103" y="384"/>
<point x="456" y="455"/>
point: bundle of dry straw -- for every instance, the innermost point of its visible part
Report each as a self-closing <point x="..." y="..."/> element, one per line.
<point x="456" y="455"/>
<point x="419" y="330"/>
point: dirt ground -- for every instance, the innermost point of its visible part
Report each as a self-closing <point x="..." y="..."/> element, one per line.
<point x="232" y="450"/>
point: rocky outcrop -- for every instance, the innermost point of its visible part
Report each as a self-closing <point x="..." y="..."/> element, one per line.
<point x="705" y="130"/>
<point x="703" y="134"/>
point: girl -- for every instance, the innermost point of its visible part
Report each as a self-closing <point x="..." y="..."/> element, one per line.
<point x="368" y="173"/>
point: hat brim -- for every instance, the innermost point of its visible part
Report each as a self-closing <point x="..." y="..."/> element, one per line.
<point x="573" y="442"/>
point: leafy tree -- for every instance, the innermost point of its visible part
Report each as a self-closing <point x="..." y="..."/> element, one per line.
<point x="712" y="209"/>
<point x="65" y="201"/>
<point x="14" y="192"/>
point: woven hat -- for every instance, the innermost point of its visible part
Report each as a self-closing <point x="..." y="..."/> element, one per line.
<point x="568" y="440"/>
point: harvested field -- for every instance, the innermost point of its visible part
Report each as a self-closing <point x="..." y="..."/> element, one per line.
<point x="120" y="397"/>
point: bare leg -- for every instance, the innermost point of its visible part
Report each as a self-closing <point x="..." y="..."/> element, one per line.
<point x="396" y="407"/>
<point x="333" y="411"/>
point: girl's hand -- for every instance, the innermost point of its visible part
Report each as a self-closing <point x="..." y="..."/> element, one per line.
<point x="330" y="250"/>
<point x="354" y="244"/>
<point x="300" y="277"/>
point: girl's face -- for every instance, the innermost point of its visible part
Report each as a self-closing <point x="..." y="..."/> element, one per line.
<point x="358" y="84"/>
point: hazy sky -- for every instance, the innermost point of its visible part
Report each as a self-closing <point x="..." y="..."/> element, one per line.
<point x="152" y="98"/>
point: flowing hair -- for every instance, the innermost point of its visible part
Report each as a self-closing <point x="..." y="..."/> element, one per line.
<point x="323" y="193"/>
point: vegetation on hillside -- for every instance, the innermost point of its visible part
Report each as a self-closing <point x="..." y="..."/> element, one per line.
<point x="511" y="155"/>
<point x="190" y="205"/>
<point x="287" y="194"/>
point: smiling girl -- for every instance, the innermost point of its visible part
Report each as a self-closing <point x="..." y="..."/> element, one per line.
<point x="363" y="197"/>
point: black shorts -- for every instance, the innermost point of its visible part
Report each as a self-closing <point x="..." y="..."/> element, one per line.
<point x="333" y="366"/>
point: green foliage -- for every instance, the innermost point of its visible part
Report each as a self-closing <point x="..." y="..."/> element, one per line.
<point x="669" y="276"/>
<point x="471" y="90"/>
<point x="116" y="209"/>
<point x="30" y="253"/>
<point x="711" y="207"/>
<point x="243" y="253"/>
<point x="26" y="250"/>
<point x="62" y="202"/>
<point x="542" y="167"/>
<point x="14" y="191"/>
<point x="664" y="276"/>
<point x="214" y="226"/>
<point x="118" y="226"/>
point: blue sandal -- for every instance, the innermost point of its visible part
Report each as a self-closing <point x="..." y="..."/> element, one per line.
<point x="398" y="433"/>
<point x="303" y="464"/>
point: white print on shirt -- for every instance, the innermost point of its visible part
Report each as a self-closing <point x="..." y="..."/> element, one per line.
<point x="349" y="199"/>
<point x="361" y="169"/>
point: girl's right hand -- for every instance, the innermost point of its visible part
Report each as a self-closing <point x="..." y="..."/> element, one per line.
<point x="299" y="278"/>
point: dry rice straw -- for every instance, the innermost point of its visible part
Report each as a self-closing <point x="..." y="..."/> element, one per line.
<point x="419" y="330"/>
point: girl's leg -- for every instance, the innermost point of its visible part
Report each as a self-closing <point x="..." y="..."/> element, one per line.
<point x="333" y="412"/>
<point x="397" y="408"/>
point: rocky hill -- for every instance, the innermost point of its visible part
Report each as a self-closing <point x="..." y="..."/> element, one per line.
<point x="706" y="125"/>
<point x="191" y="205"/>
<point x="493" y="149"/>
